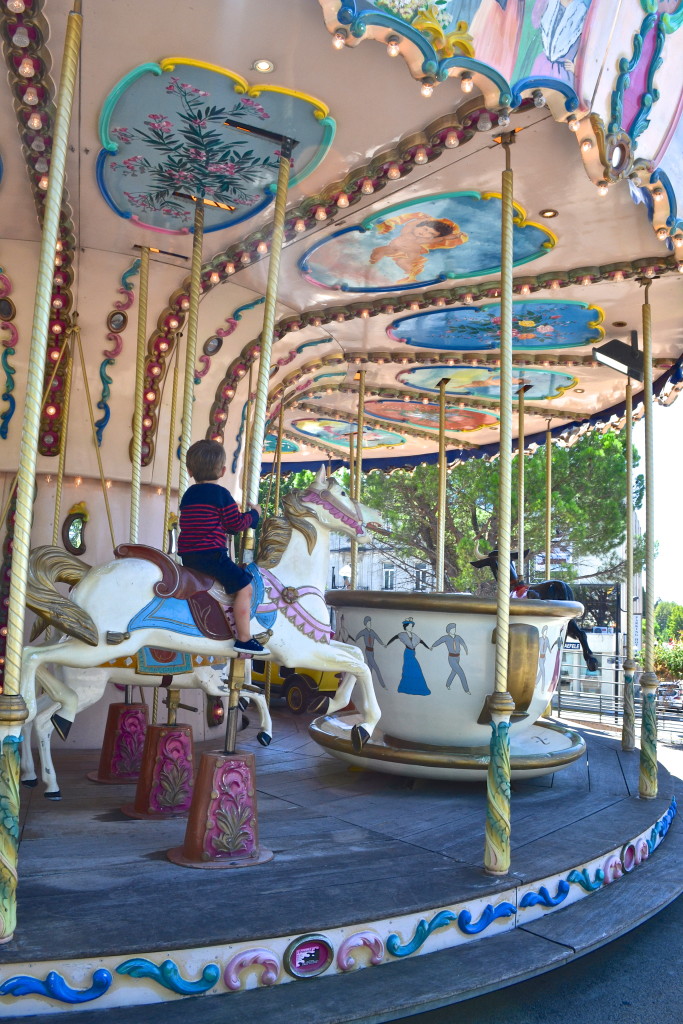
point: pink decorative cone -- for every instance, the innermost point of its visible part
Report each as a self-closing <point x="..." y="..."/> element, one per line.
<point x="122" y="746"/>
<point x="164" y="789"/>
<point x="222" y="829"/>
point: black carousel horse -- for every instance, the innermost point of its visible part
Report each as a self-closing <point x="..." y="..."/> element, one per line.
<point x="549" y="590"/>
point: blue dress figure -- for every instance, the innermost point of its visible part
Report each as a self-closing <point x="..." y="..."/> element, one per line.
<point x="412" y="679"/>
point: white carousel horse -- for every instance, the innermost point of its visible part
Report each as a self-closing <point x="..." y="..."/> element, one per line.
<point x="118" y="608"/>
<point x="88" y="684"/>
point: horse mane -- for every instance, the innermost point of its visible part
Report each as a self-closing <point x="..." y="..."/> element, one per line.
<point x="276" y="532"/>
<point x="49" y="565"/>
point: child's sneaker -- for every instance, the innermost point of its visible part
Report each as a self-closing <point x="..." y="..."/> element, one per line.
<point x="250" y="647"/>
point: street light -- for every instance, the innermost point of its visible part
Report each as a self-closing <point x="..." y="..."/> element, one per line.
<point x="627" y="359"/>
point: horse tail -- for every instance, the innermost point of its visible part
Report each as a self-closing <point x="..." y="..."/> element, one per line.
<point x="49" y="565"/>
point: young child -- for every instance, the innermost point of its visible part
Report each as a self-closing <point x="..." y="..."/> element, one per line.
<point x="208" y="513"/>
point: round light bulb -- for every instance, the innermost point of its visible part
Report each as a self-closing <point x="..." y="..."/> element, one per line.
<point x="427" y="88"/>
<point x="31" y="96"/>
<point x="35" y="121"/>
<point x="555" y="284"/>
<point x="525" y="289"/>
<point x="16" y="6"/>
<point x="539" y="98"/>
<point x="262" y="248"/>
<point x="452" y="140"/>
<point x="393" y="46"/>
<point x="172" y="323"/>
<point x="320" y="213"/>
<point x="618" y="276"/>
<point x="342" y="200"/>
<point x="38" y="145"/>
<point x="393" y="171"/>
<point x="27" y="68"/>
<point x="678" y="241"/>
<point x="466" y="82"/>
<point x="215" y="277"/>
<point x="365" y="313"/>
<point x="484" y="123"/>
<point x="658" y="194"/>
<point x="245" y="258"/>
<point x="603" y="188"/>
<point x="339" y="39"/>
<point x="573" y="123"/>
<point x="420" y="155"/>
<point x="20" y="37"/>
<point x="468" y="298"/>
<point x="662" y="233"/>
<point x="229" y="268"/>
<point x="367" y="188"/>
<point x="299" y="224"/>
<point x="42" y="184"/>
<point x="586" y="145"/>
<point x="42" y="165"/>
<point x="503" y="119"/>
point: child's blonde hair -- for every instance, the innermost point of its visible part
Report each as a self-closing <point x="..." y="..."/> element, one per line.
<point x="205" y="460"/>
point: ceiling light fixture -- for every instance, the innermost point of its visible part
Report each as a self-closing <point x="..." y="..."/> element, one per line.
<point x="393" y="44"/>
<point x="548" y="213"/>
<point x="427" y="87"/>
<point x="626" y="359"/>
<point x="263" y="65"/>
<point x="452" y="140"/>
<point x="339" y="39"/>
<point x="466" y="82"/>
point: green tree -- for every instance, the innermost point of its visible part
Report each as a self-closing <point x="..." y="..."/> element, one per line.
<point x="668" y="621"/>
<point x="588" y="508"/>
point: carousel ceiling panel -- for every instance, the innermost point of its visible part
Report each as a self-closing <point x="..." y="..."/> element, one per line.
<point x="337" y="433"/>
<point x="426" y="416"/>
<point x="180" y="130"/>
<point x="423" y="242"/>
<point x="537" y="324"/>
<point x="484" y="381"/>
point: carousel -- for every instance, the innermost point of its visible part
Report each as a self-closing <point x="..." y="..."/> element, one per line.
<point x="350" y="235"/>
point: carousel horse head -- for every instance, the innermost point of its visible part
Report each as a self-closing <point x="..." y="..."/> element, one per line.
<point x="336" y="508"/>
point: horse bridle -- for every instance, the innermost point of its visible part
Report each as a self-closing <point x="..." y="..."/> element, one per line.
<point x="326" y="500"/>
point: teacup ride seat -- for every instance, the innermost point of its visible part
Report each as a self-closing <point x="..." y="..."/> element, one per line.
<point x="432" y="659"/>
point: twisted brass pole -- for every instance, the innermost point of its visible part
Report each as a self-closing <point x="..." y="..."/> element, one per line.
<point x="136" y="447"/>
<point x="278" y="457"/>
<point x="247" y="441"/>
<point x="628" y="729"/>
<point x="548" y="497"/>
<point x="500" y="703"/>
<point x="352" y="489"/>
<point x="441" y="508"/>
<point x="93" y="430"/>
<point x="520" y="480"/>
<point x="171" y="450"/>
<point x="191" y="350"/>
<point x="66" y="404"/>
<point x="648" y="680"/>
<point x="265" y="355"/>
<point x="13" y="704"/>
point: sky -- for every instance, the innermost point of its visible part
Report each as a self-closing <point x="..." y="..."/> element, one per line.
<point x="668" y="486"/>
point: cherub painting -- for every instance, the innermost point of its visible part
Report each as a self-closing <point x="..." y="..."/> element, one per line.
<point x="419" y="235"/>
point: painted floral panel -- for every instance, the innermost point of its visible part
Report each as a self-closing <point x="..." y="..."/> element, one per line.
<point x="427" y="416"/>
<point x="536" y="324"/>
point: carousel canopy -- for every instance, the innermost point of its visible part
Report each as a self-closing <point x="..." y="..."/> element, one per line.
<point x="391" y="263"/>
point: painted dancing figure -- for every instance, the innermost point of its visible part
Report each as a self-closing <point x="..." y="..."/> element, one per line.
<point x="412" y="678"/>
<point x="453" y="643"/>
<point x="369" y="636"/>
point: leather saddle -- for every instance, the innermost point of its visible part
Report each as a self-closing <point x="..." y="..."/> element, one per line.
<point x="207" y="599"/>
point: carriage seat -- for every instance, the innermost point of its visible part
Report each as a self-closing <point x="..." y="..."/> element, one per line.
<point x="208" y="600"/>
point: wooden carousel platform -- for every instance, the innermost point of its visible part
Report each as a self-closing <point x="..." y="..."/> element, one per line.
<point x="370" y="870"/>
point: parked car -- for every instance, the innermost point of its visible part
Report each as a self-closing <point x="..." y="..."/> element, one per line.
<point x="670" y="697"/>
<point x="297" y="686"/>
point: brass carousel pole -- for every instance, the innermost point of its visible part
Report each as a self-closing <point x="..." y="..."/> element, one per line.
<point x="548" y="497"/>
<point x="66" y="404"/>
<point x="136" y="447"/>
<point x="278" y="457"/>
<point x="352" y="490"/>
<point x="500" y="703"/>
<point x="171" y="448"/>
<point x="355" y="492"/>
<point x="191" y="350"/>
<point x="648" y="681"/>
<point x="520" y="479"/>
<point x="628" y="730"/>
<point x="441" y="510"/>
<point x="258" y="422"/>
<point x="13" y="710"/>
